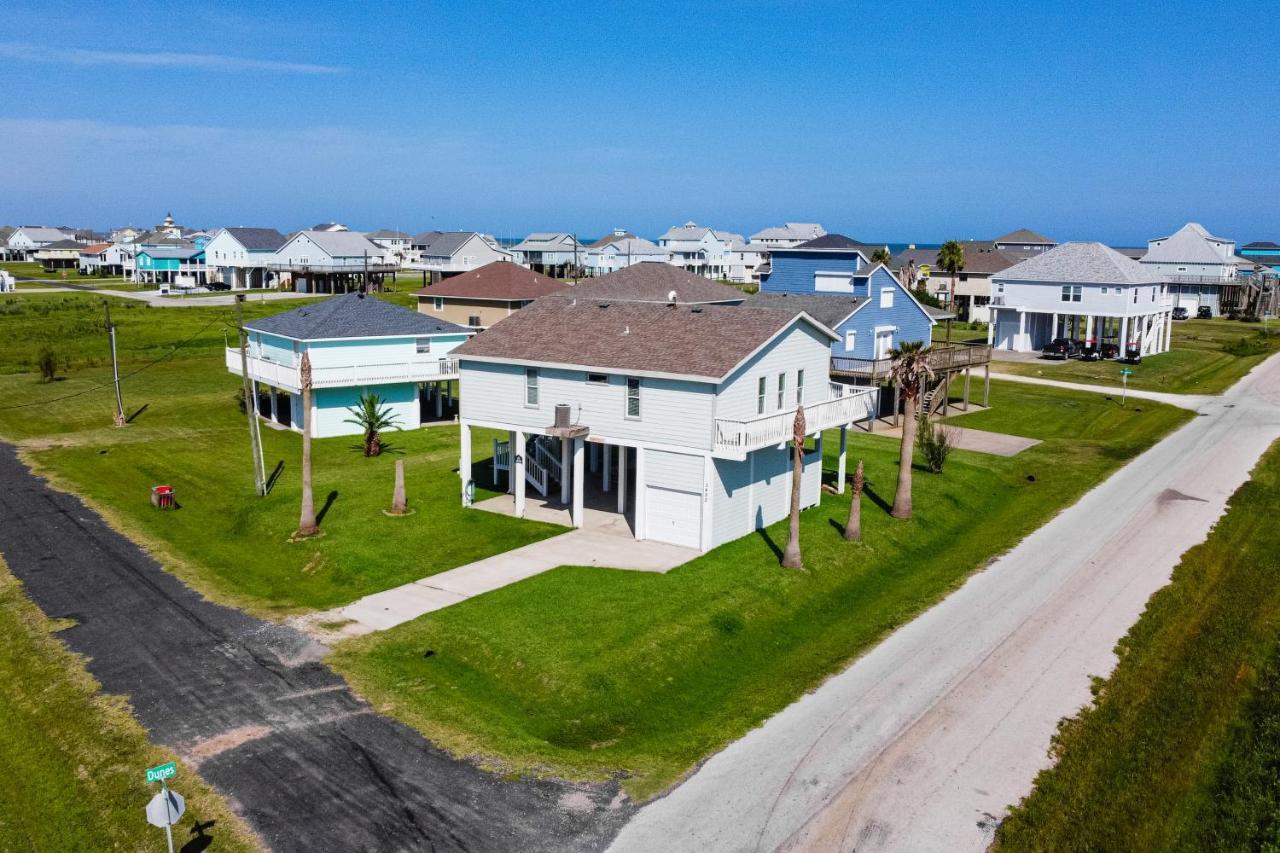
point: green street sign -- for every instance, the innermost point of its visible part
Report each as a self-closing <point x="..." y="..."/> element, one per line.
<point x="164" y="771"/>
<point x="1126" y="372"/>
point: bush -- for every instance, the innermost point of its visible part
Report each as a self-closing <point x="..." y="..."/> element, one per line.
<point x="1253" y="345"/>
<point x="48" y="362"/>
<point x="239" y="398"/>
<point x="936" y="443"/>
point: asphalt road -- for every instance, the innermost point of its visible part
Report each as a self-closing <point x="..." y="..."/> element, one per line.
<point x="309" y="765"/>
<point x="923" y="743"/>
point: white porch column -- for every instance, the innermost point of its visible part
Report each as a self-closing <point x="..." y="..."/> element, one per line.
<point x="512" y="450"/>
<point x="1088" y="330"/>
<point x="1168" y="331"/>
<point x="275" y="416"/>
<point x="708" y="475"/>
<point x="844" y="452"/>
<point x="1022" y="331"/>
<point x="578" y="485"/>
<point x="517" y="471"/>
<point x="622" y="478"/>
<point x="464" y="462"/>
<point x="993" y="315"/>
<point x="566" y="447"/>
<point x="1054" y="332"/>
<point x="607" y="450"/>
<point x="1124" y="337"/>
<point x="639" y="526"/>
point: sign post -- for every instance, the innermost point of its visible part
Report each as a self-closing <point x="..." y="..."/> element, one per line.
<point x="166" y="807"/>
<point x="1124" y="378"/>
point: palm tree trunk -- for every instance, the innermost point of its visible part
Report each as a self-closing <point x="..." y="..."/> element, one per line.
<point x="397" y="497"/>
<point x="791" y="556"/>
<point x="902" y="497"/>
<point x="307" y="519"/>
<point x="853" y="528"/>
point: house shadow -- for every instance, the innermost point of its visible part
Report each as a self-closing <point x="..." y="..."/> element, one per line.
<point x="763" y="533"/>
<point x="328" y="502"/>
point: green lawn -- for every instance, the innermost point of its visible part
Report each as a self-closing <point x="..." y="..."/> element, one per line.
<point x="74" y="758"/>
<point x="1197" y="364"/>
<point x="588" y="672"/>
<point x="1181" y="748"/>
<point x="224" y="540"/>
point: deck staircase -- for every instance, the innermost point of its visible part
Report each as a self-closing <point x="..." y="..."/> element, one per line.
<point x="541" y="461"/>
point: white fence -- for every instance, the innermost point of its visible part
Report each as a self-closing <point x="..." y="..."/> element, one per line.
<point x="345" y="376"/>
<point x="847" y="404"/>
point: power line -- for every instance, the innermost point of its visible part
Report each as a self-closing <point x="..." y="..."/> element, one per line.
<point x="147" y="366"/>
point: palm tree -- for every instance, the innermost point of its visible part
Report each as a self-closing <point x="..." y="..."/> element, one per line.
<point x="853" y="528"/>
<point x="910" y="371"/>
<point x="881" y="256"/>
<point x="951" y="259"/>
<point x="373" y="418"/>
<point x="307" y="521"/>
<point x="791" y="556"/>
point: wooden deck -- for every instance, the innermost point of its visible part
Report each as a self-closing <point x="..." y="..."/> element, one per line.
<point x="943" y="358"/>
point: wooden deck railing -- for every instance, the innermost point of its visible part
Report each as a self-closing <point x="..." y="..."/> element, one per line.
<point x="943" y="358"/>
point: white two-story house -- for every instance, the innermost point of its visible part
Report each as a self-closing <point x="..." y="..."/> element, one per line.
<point x="682" y="411"/>
<point x="446" y="253"/>
<point x="357" y="343"/>
<point x="242" y="256"/>
<point x="713" y="254"/>
<point x="621" y="252"/>
<point x="1085" y="291"/>
<point x="1194" y="264"/>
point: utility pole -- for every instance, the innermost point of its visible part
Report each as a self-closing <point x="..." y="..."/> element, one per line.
<point x="251" y="404"/>
<point x="118" y="418"/>
<point x="575" y="258"/>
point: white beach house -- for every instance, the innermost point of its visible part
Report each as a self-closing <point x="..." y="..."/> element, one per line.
<point x="683" y="411"/>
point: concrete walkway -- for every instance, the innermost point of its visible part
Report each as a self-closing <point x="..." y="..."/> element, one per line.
<point x="1184" y="401"/>
<point x="606" y="541"/>
<point x="157" y="300"/>
<point x="924" y="742"/>
<point x="978" y="440"/>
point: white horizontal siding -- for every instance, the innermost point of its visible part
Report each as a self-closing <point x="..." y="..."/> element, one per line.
<point x="673" y="470"/>
<point x="800" y="348"/>
<point x="672" y="412"/>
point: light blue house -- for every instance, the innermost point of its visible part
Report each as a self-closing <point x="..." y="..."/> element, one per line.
<point x="356" y="343"/>
<point x="169" y="260"/>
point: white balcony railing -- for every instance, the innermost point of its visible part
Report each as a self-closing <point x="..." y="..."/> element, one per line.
<point x="288" y="376"/>
<point x="847" y="404"/>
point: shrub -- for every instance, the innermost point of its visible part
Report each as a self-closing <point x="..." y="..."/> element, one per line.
<point x="48" y="362"/>
<point x="239" y="398"/>
<point x="1243" y="347"/>
<point x="936" y="443"/>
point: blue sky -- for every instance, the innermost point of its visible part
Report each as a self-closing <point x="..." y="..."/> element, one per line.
<point x="887" y="122"/>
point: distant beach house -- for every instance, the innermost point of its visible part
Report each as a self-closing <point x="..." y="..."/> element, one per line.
<point x="788" y="235"/>
<point x="446" y="253"/>
<point x="1195" y="264"/>
<point x="555" y="254"/>
<point x="482" y="297"/>
<point x="1263" y="253"/>
<point x="1085" y="291"/>
<point x="165" y="261"/>
<point x="654" y="282"/>
<point x="26" y="240"/>
<point x="676" y="417"/>
<point x="243" y="256"/>
<point x="1024" y="243"/>
<point x="821" y="265"/>
<point x="357" y="343"/>
<point x="59" y="255"/>
<point x="713" y="254"/>
<point x="620" y="251"/>
<point x="335" y="261"/>
<point x="396" y="245"/>
<point x="982" y="260"/>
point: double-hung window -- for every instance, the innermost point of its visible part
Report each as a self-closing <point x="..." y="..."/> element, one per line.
<point x="633" y="396"/>
<point x="782" y="391"/>
<point x="850" y="340"/>
<point x="439" y="303"/>
<point x="760" y="395"/>
<point x="424" y="346"/>
<point x="799" y="387"/>
<point x="886" y="297"/>
<point x="531" y="386"/>
<point x="1071" y="292"/>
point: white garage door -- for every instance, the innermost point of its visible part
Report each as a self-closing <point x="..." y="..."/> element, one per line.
<point x="673" y="516"/>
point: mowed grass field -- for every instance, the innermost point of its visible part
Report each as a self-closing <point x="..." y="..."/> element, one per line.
<point x="592" y="673"/>
<point x="1208" y="357"/>
<point x="1181" y="747"/>
<point x="189" y="433"/>
<point x="74" y="758"/>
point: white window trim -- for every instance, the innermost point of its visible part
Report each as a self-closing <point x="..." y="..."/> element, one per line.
<point x="850" y="340"/>
<point x="886" y="291"/>
<point x="534" y="373"/>
<point x="626" y="398"/>
<point x="438" y="305"/>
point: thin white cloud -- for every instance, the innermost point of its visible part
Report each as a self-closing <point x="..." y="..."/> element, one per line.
<point x="192" y="61"/>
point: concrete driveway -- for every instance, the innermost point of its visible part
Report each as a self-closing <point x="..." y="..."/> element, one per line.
<point x="924" y="742"/>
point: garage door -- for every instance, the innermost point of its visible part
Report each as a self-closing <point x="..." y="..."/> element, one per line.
<point x="673" y="516"/>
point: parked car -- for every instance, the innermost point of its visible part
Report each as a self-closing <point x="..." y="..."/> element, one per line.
<point x="1203" y="313"/>
<point x="1109" y="351"/>
<point x="1063" y="348"/>
<point x="1180" y="313"/>
<point x="1133" y="355"/>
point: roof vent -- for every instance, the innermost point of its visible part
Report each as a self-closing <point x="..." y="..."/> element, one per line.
<point x="671" y="297"/>
<point x="627" y="330"/>
<point x="696" y="310"/>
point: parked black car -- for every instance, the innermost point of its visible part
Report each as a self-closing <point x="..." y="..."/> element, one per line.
<point x="1180" y="313"/>
<point x="1109" y="351"/>
<point x="1203" y="313"/>
<point x="1063" y="348"/>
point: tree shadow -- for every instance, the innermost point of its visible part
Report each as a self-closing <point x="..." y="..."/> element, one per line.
<point x="275" y="475"/>
<point x="328" y="502"/>
<point x="875" y="498"/>
<point x="837" y="524"/>
<point x="763" y="533"/>
<point x="144" y="407"/>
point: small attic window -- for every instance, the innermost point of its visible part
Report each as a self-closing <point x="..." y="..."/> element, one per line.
<point x="424" y="346"/>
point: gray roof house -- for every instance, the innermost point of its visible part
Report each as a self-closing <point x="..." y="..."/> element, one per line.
<point x="356" y="344"/>
<point x="653" y="281"/>
<point x="446" y="253"/>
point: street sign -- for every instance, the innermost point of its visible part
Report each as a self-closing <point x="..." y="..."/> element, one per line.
<point x="165" y="808"/>
<point x="1126" y="372"/>
<point x="162" y="772"/>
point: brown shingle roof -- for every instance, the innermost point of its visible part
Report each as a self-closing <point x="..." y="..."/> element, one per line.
<point x="652" y="281"/>
<point x="639" y="337"/>
<point x="95" y="249"/>
<point x="501" y="280"/>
